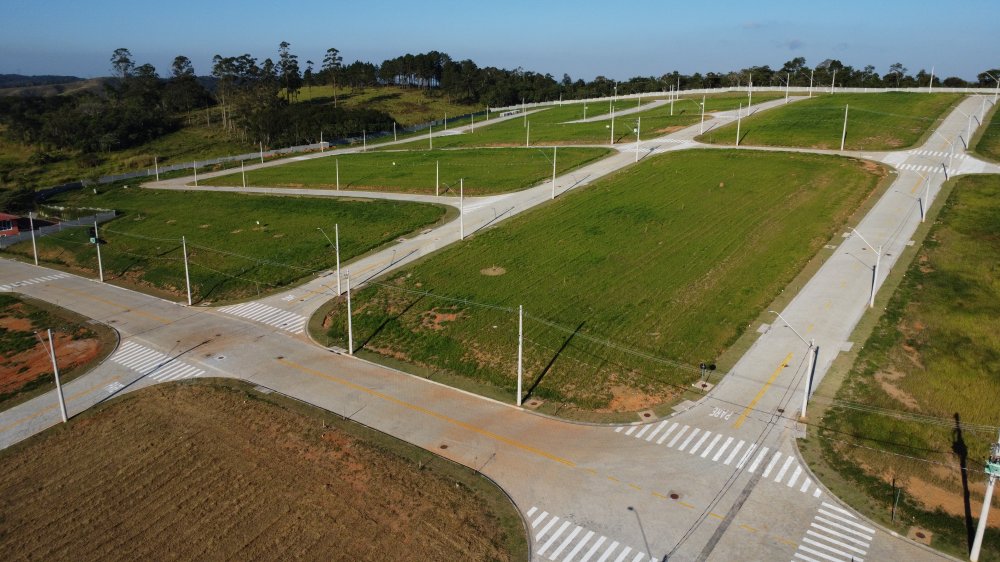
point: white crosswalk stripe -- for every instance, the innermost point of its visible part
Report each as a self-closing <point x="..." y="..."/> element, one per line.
<point x="265" y="314"/>
<point x="564" y="540"/>
<point x="153" y="364"/>
<point x="937" y="153"/>
<point x="33" y="281"/>
<point x="727" y="450"/>
<point x="834" y="535"/>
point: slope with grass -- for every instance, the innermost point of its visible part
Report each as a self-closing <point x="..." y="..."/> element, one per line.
<point x="882" y="121"/>
<point x="988" y="143"/>
<point x="408" y="106"/>
<point x="485" y="171"/>
<point x="626" y="284"/>
<point x="219" y="471"/>
<point x="921" y="398"/>
<point x="238" y="245"/>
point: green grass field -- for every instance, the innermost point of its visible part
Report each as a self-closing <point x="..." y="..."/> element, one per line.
<point x="670" y="258"/>
<point x="882" y="121"/>
<point x="932" y="360"/>
<point x="988" y="144"/>
<point x="486" y="171"/>
<point x="238" y="244"/>
<point x="551" y="126"/>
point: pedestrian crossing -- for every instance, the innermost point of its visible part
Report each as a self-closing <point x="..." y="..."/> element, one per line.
<point x="834" y="535"/>
<point x="937" y="153"/>
<point x="53" y="277"/>
<point x="289" y="321"/>
<point x="153" y="364"/>
<point x="728" y="451"/>
<point x="919" y="167"/>
<point x="560" y="539"/>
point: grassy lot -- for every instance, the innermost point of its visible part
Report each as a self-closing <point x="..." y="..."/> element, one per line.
<point x="237" y="244"/>
<point x="920" y="396"/>
<point x="625" y="284"/>
<point x="883" y="121"/>
<point x="26" y="369"/>
<point x="486" y="171"/>
<point x="408" y="106"/>
<point x="218" y="471"/>
<point x="551" y="127"/>
<point x="987" y="144"/>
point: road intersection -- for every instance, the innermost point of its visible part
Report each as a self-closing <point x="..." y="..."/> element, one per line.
<point x="717" y="480"/>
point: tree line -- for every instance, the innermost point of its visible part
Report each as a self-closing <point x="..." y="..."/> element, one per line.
<point x="256" y="100"/>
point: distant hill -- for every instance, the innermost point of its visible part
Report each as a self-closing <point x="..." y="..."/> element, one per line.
<point x="54" y="89"/>
<point x="20" y="80"/>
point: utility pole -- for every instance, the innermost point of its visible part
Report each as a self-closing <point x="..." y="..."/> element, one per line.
<point x="195" y="166"/>
<point x="992" y="471"/>
<point x="187" y="275"/>
<point x="55" y="370"/>
<point x="350" y="326"/>
<point x="613" y="121"/>
<point x="811" y="72"/>
<point x="337" y="162"/>
<point x="638" y="127"/>
<point x="243" y="172"/>
<point x="97" y="243"/>
<point x="394" y="131"/>
<point x="430" y="137"/>
<point x="461" y="208"/>
<point x="437" y="178"/>
<point x="527" y="134"/>
<point x="520" y="350"/>
<point x="156" y="166"/>
<point x="261" y="152"/>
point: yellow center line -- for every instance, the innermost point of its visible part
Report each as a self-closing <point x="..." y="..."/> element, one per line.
<point x="687" y="505"/>
<point x="613" y="479"/>
<point x="432" y="413"/>
<point x="634" y="487"/>
<point x="661" y="496"/>
<point x="748" y="528"/>
<point x="788" y="542"/>
<point x="716" y="515"/>
<point x="48" y="409"/>
<point x="810" y="327"/>
<point x="111" y="303"/>
<point x="770" y="381"/>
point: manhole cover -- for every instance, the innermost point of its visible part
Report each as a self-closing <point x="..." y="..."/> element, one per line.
<point x="781" y="410"/>
<point x="675" y="496"/>
<point x="221" y="357"/>
<point x="444" y="447"/>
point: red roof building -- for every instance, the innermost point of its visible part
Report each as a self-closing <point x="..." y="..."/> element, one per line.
<point x="8" y="224"/>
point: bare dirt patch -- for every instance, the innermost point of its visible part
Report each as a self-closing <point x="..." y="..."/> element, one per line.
<point x="214" y="472"/>
<point x="435" y="318"/>
<point x="887" y="380"/>
<point x="493" y="271"/>
<point x="629" y="399"/>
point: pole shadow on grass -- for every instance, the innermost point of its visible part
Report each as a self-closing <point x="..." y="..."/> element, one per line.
<point x="495" y="218"/>
<point x="552" y="362"/>
<point x="961" y="450"/>
<point x="386" y="322"/>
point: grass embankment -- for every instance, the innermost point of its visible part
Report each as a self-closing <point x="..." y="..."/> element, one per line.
<point x="486" y="171"/>
<point x="26" y="369"/>
<point x="987" y="144"/>
<point x="918" y="406"/>
<point x="238" y="245"/>
<point x="554" y="126"/>
<point x="218" y="471"/>
<point x="29" y="166"/>
<point x="408" y="106"/>
<point x="670" y="258"/>
<point x="882" y="121"/>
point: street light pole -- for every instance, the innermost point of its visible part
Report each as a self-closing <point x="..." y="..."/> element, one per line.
<point x="813" y="352"/>
<point x="350" y="326"/>
<point x="613" y="121"/>
<point x="638" y="127"/>
<point x="243" y="172"/>
<point x="31" y="227"/>
<point x="337" y="162"/>
<point x="788" y="82"/>
<point x="701" y="129"/>
<point x="55" y="370"/>
<point x="878" y="259"/>
<point x="811" y="72"/>
<point x="461" y="208"/>
<point x="554" y="172"/>
<point x="843" y="135"/>
<point x="97" y="243"/>
<point x="739" y="116"/>
<point x="520" y="350"/>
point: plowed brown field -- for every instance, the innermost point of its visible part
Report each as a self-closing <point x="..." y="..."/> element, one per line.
<point x="216" y="471"/>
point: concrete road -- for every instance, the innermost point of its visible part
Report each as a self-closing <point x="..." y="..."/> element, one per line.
<point x="718" y="481"/>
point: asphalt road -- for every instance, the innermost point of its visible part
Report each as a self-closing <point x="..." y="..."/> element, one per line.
<point x="718" y="481"/>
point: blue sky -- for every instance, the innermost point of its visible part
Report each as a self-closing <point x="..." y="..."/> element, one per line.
<point x="583" y="38"/>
